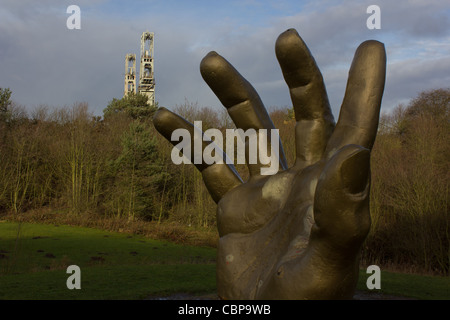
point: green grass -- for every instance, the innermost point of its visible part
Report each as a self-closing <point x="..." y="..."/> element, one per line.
<point x="34" y="259"/>
<point x="112" y="282"/>
<point x="409" y="285"/>
<point x="113" y="265"/>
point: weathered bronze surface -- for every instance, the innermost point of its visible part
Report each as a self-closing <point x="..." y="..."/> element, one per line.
<point x="296" y="234"/>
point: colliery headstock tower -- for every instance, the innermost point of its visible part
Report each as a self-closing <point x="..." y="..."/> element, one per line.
<point x="146" y="73"/>
<point x="130" y="73"/>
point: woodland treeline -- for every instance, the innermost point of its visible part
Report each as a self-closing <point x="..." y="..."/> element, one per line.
<point x="68" y="161"/>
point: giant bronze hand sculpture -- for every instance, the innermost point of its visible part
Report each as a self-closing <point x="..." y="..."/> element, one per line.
<point x="296" y="234"/>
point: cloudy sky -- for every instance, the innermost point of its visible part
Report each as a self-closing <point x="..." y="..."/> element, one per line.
<point x="45" y="63"/>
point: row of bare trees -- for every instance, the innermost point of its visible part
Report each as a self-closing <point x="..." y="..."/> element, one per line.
<point x="69" y="161"/>
<point x="410" y="185"/>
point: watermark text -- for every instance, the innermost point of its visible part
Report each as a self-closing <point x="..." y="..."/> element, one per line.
<point x="374" y="21"/>
<point x="255" y="141"/>
<point x="74" y="20"/>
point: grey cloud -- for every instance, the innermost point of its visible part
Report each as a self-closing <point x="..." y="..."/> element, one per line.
<point x="413" y="33"/>
<point x="43" y="62"/>
<point x="413" y="76"/>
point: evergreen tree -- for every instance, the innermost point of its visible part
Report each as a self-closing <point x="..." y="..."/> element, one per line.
<point x="138" y="173"/>
<point x="135" y="105"/>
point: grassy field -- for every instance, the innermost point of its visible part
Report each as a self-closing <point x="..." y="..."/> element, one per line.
<point x="34" y="259"/>
<point x="409" y="285"/>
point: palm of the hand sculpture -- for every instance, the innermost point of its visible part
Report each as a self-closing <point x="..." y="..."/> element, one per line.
<point x="296" y="234"/>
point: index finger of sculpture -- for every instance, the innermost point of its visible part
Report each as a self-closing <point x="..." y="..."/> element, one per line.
<point x="315" y="121"/>
<point x="219" y="178"/>
<point x="239" y="97"/>
<point x="359" y="115"/>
